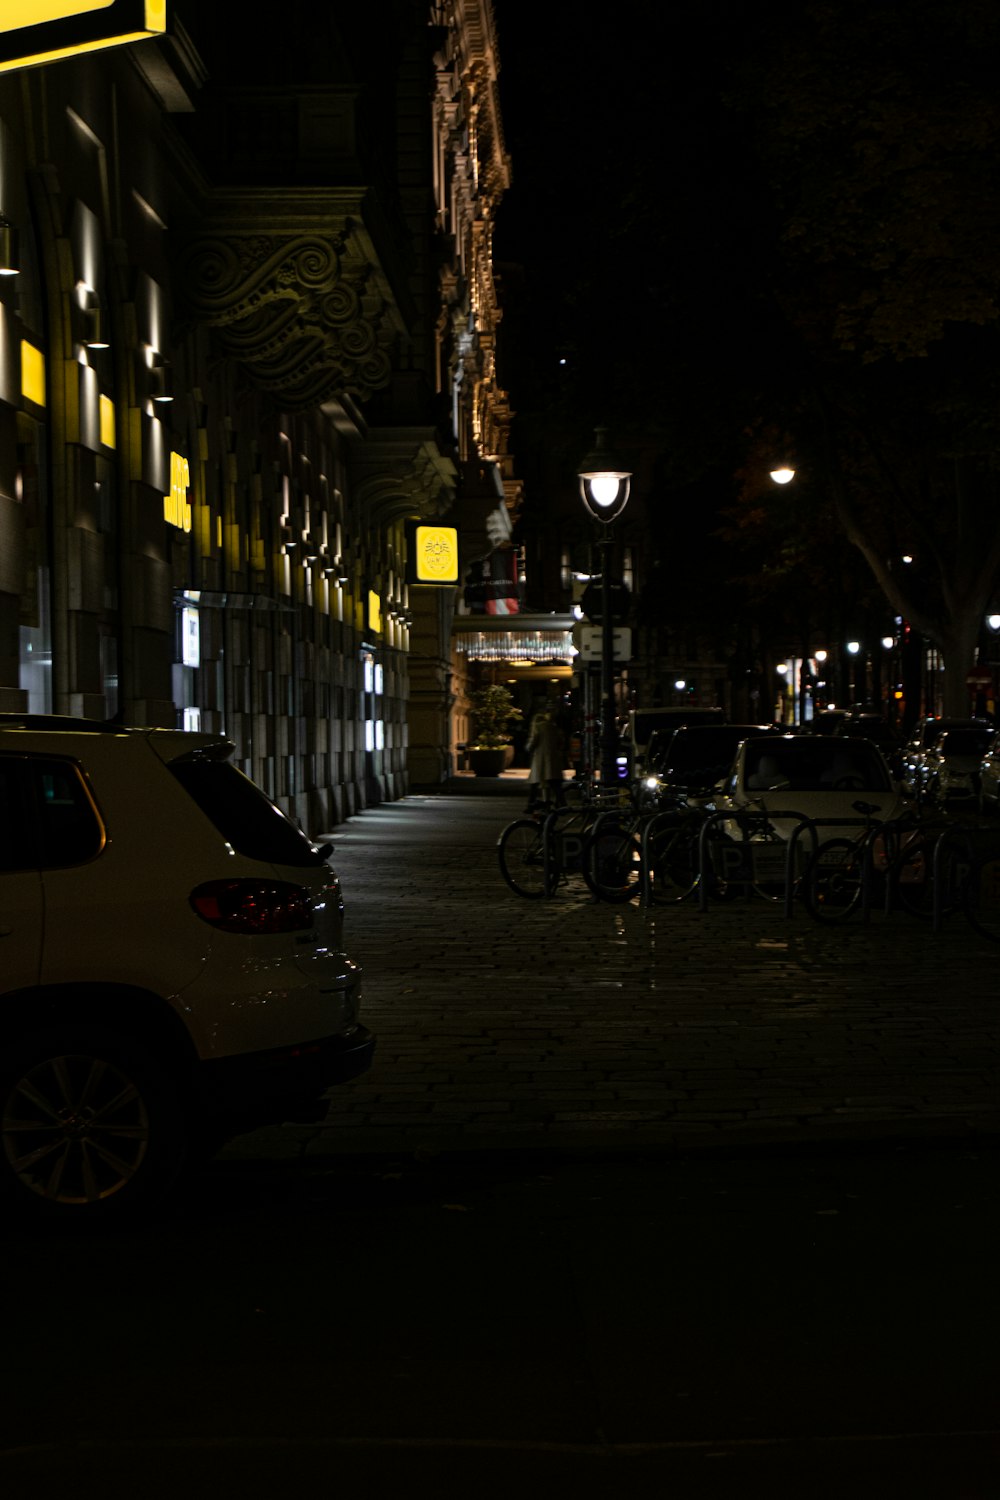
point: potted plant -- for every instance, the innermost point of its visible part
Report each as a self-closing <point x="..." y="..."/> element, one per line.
<point x="492" y="709"/>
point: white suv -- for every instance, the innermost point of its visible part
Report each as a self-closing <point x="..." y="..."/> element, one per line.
<point x="172" y="970"/>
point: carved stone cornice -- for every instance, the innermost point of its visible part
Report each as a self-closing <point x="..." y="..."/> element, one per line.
<point x="295" y="287"/>
<point x="401" y="472"/>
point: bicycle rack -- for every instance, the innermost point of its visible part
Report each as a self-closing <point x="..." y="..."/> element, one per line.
<point x="957" y="836"/>
<point x="552" y="865"/>
<point x="871" y="825"/>
<point x="809" y="828"/>
<point x="747" y="821"/>
<point x="668" y="814"/>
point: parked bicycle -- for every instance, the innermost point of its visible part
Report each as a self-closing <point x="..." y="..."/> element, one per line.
<point x="538" y="853"/>
<point x="893" y="859"/>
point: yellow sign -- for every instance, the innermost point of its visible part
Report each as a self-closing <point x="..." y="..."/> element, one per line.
<point x="176" y="505"/>
<point x="32" y="373"/>
<point x="107" y="422"/>
<point x="17" y="13"/>
<point x="374" y="612"/>
<point x="435" y="554"/>
<point x="38" y="31"/>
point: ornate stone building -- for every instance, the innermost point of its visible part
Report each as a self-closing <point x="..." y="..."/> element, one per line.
<point x="251" y="337"/>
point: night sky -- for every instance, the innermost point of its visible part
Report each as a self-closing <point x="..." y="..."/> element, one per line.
<point x="623" y="203"/>
<point x="618" y="256"/>
<point x="726" y="219"/>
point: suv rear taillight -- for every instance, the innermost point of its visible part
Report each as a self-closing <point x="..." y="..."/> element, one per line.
<point x="253" y="907"/>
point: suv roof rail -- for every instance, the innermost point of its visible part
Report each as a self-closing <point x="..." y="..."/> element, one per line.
<point x="58" y="721"/>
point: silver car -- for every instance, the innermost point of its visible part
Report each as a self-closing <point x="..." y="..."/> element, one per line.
<point x="949" y="769"/>
<point x="989" y="777"/>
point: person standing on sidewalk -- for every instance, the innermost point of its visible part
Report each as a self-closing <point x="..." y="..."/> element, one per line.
<point x="547" y="747"/>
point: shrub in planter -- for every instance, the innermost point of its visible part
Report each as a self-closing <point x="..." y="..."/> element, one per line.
<point x="493" y="708"/>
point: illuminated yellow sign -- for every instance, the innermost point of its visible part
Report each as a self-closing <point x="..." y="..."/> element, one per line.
<point x="107" y="422"/>
<point x="38" y="31"/>
<point x="433" y="555"/>
<point x="32" y="373"/>
<point x="18" y="13"/>
<point x="176" y="505"/>
<point x="374" y="612"/>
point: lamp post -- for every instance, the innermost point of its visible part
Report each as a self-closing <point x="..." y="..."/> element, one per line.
<point x="604" y="486"/>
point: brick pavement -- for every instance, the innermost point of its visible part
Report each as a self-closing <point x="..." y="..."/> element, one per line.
<point x="510" y="1023"/>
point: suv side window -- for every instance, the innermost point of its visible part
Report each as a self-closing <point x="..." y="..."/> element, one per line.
<point x="69" y="827"/>
<point x="17" y="849"/>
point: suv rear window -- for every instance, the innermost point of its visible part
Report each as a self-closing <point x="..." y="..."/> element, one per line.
<point x="243" y="814"/>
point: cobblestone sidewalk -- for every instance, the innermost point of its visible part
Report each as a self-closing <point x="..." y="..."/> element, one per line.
<point x="503" y="1022"/>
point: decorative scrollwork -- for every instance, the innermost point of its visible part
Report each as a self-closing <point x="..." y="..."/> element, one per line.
<point x="299" y="312"/>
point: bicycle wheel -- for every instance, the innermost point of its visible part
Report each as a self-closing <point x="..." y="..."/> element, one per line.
<point x="521" y="852"/>
<point x="981" y="896"/>
<point x="831" y="885"/>
<point x="673" y="855"/>
<point x="612" y="861"/>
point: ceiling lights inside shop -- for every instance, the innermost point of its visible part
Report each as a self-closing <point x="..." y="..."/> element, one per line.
<point x="517" y="646"/>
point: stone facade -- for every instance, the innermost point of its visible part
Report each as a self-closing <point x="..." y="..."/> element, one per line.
<point x="252" y="336"/>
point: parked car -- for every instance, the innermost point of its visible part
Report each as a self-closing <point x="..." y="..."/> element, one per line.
<point x="989" y="777"/>
<point x="949" y="768"/>
<point x="924" y="733"/>
<point x="641" y="724"/>
<point x="827" y="721"/>
<point x="173" y="968"/>
<point x="878" y="731"/>
<point x="691" y="760"/>
<point x="819" y="777"/>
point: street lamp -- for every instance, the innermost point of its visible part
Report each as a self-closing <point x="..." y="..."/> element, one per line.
<point x="604" y="487"/>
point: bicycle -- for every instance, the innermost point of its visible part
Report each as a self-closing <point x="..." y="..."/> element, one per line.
<point x="840" y="875"/>
<point x="654" y="851"/>
<point x="635" y="836"/>
<point x="522" y="857"/>
<point x="537" y="853"/>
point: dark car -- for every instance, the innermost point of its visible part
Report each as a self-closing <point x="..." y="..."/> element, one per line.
<point x="693" y="758"/>
<point x="643" y="723"/>
<point x="879" y="731"/>
<point x="827" y="721"/>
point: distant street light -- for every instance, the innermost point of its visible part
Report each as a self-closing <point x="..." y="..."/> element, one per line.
<point x="604" y="487"/>
<point x="784" y="475"/>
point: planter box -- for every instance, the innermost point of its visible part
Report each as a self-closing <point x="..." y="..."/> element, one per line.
<point x="490" y="762"/>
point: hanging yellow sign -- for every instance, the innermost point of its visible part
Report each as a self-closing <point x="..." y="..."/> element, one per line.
<point x="432" y="554"/>
<point x="38" y="31"/>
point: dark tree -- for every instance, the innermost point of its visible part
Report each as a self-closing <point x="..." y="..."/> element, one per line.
<point x="875" y="138"/>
